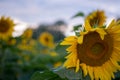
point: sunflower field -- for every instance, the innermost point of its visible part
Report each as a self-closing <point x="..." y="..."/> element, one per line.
<point x="93" y="53"/>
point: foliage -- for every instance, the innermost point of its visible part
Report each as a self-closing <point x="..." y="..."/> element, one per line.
<point x="79" y="14"/>
<point x="46" y="75"/>
<point x="25" y="57"/>
<point x="21" y="56"/>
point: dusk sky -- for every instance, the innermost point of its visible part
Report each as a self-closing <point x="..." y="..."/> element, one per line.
<point x="39" y="11"/>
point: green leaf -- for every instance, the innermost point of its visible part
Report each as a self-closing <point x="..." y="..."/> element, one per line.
<point x="79" y="14"/>
<point x="60" y="48"/>
<point x="69" y="73"/>
<point x="45" y="75"/>
<point x="117" y="75"/>
<point x="42" y="58"/>
<point x="77" y="34"/>
<point x="77" y="27"/>
<point x="104" y="26"/>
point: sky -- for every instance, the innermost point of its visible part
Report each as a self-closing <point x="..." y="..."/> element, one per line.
<point x="35" y="12"/>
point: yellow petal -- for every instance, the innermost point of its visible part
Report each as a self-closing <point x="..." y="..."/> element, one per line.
<point x="110" y="69"/>
<point x="106" y="73"/>
<point x="115" y="63"/>
<point x="84" y="68"/>
<point x="80" y="39"/>
<point x="116" y="37"/>
<point x="111" y="24"/>
<point x="101" y="73"/>
<point x="96" y="73"/>
<point x="77" y="65"/>
<point x="115" y="55"/>
<point x="72" y="48"/>
<point x="70" y="38"/>
<point x="113" y="67"/>
<point x="69" y="63"/>
<point x="116" y="48"/>
<point x="102" y="37"/>
<point x="101" y="32"/>
<point x="72" y="55"/>
<point x="117" y="30"/>
<point x="66" y="43"/>
<point x="83" y="33"/>
<point x="90" y="71"/>
<point x="87" y="26"/>
<point x="71" y="60"/>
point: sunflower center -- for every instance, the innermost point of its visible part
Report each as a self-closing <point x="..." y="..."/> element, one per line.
<point x="94" y="51"/>
<point x="97" y="48"/>
<point x="4" y="27"/>
<point x="46" y="39"/>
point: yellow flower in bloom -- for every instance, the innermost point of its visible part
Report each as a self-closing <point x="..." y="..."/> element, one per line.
<point x="27" y="34"/>
<point x="46" y="39"/>
<point x="96" y="51"/>
<point x="24" y="41"/>
<point x="12" y="41"/>
<point x="6" y="27"/>
<point x="27" y="45"/>
<point x="96" y="18"/>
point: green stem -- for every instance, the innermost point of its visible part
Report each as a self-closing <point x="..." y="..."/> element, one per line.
<point x="2" y="62"/>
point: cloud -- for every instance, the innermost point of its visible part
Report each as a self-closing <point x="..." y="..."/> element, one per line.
<point x="38" y="11"/>
<point x="34" y="11"/>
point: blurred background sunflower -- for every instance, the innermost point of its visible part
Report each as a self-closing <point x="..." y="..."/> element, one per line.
<point x="6" y="27"/>
<point x="46" y="39"/>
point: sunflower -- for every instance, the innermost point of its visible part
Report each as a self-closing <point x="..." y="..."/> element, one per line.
<point x="46" y="39"/>
<point x="96" y="51"/>
<point x="96" y="18"/>
<point x="12" y="41"/>
<point x="6" y="27"/>
<point x="27" y="34"/>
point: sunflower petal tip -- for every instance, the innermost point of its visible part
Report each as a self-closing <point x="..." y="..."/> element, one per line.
<point x="102" y="37"/>
<point x="77" y="66"/>
<point x="80" y="40"/>
<point x="76" y="70"/>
